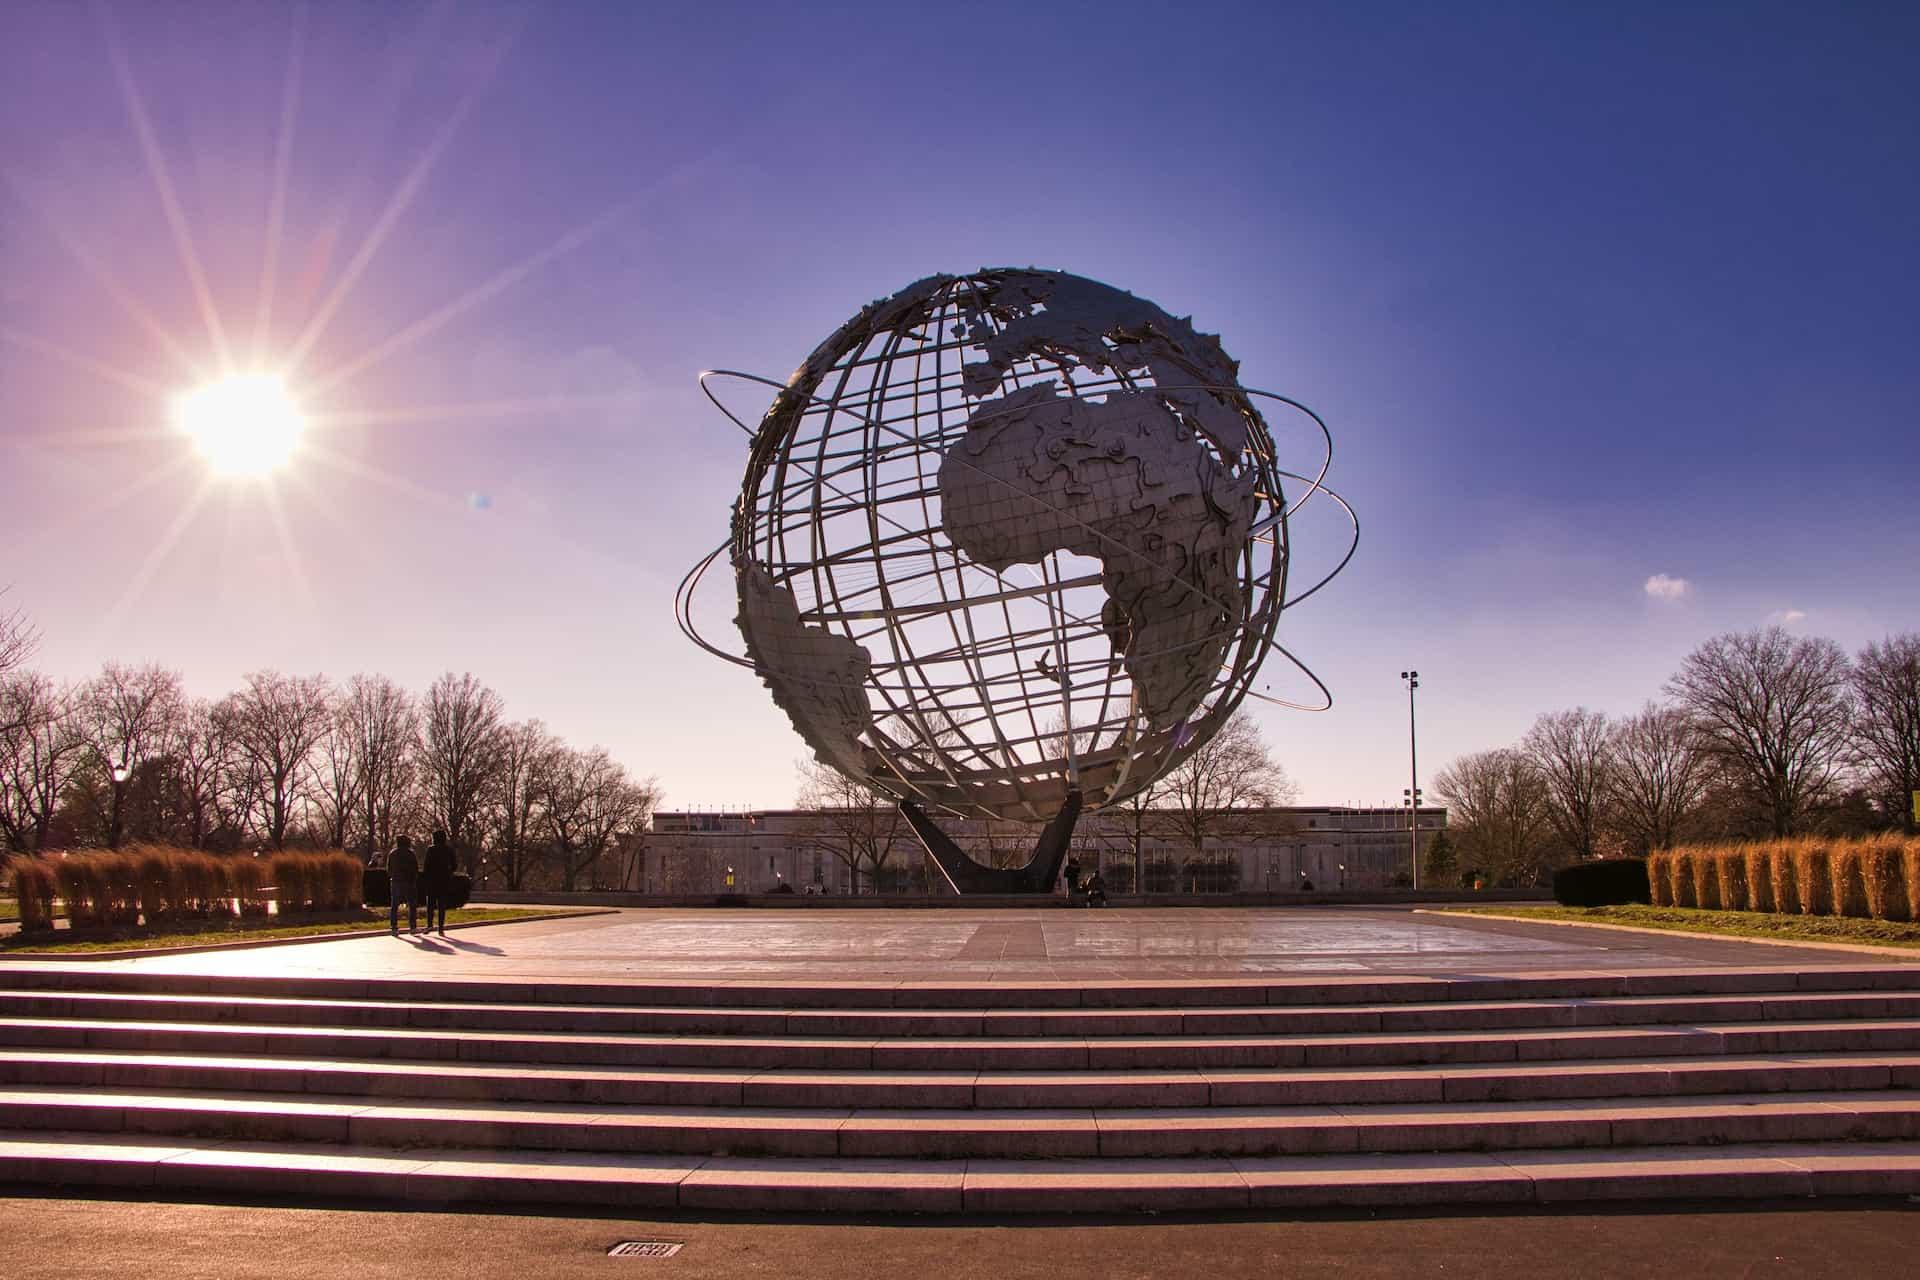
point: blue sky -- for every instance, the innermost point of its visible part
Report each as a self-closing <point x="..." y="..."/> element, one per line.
<point x="1587" y="293"/>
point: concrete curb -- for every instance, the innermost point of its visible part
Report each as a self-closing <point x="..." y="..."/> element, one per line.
<point x="1863" y="948"/>
<point x="135" y="953"/>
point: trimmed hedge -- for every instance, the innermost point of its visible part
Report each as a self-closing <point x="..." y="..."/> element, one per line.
<point x="1606" y="883"/>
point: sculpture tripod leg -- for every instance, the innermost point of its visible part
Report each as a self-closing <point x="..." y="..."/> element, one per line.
<point x="967" y="876"/>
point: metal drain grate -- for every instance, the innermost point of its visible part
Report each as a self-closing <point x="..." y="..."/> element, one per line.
<point x="644" y="1249"/>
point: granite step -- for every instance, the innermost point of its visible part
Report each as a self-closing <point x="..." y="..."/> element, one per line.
<point x="951" y="1023"/>
<point x="433" y="1081"/>
<point x="759" y="1185"/>
<point x="827" y="994"/>
<point x="978" y="1053"/>
<point x="1158" y="1133"/>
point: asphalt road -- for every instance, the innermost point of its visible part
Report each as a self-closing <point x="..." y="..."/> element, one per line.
<point x="82" y="1239"/>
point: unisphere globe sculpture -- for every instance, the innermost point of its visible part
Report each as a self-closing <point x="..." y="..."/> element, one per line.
<point x="1008" y="544"/>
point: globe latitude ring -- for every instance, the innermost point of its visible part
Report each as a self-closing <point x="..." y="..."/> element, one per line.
<point x="1010" y="544"/>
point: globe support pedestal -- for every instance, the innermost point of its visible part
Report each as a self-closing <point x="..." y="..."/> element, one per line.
<point x="967" y="876"/>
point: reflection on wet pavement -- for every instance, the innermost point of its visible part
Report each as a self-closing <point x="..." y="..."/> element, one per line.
<point x="998" y="945"/>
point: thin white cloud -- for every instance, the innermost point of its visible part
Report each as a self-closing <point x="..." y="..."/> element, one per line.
<point x="1787" y="617"/>
<point x="1662" y="587"/>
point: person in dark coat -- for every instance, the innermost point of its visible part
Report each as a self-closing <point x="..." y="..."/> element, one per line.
<point x="436" y="880"/>
<point x="403" y="881"/>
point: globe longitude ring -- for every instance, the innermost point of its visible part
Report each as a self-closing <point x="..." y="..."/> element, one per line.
<point x="1009" y="544"/>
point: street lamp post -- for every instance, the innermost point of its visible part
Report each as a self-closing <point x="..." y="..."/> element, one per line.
<point x="1413" y="779"/>
<point x="121" y="772"/>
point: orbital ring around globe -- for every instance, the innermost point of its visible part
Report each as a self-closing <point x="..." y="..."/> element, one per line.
<point x="1316" y="487"/>
<point x="1096" y="445"/>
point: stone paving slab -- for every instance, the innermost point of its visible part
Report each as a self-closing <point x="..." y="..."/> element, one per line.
<point x="1224" y="947"/>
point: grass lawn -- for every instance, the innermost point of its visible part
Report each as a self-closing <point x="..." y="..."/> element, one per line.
<point x="1737" y="924"/>
<point x="249" y="930"/>
<point x="9" y="910"/>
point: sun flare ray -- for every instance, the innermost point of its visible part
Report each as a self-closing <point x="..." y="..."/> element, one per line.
<point x="464" y="411"/>
<point x="67" y="355"/>
<point x="155" y="558"/>
<point x="282" y="163"/>
<point x="361" y="471"/>
<point x="169" y="199"/>
<point x="289" y="550"/>
<point x="86" y="437"/>
<point x="102" y="277"/>
<point x="390" y="216"/>
<point x="473" y="297"/>
<point x="345" y="530"/>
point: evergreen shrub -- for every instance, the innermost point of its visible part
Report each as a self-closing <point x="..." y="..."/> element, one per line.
<point x="1605" y="883"/>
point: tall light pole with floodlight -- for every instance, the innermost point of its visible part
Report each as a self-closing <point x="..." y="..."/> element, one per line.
<point x="1413" y="771"/>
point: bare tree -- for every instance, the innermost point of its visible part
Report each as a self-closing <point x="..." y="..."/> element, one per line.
<point x="513" y="805"/>
<point x="1216" y="791"/>
<point x="459" y="754"/>
<point x="848" y="820"/>
<point x="18" y="640"/>
<point x="276" y="722"/>
<point x="587" y="802"/>
<point x="38" y="756"/>
<point x="1659" y="777"/>
<point x="1886" y="691"/>
<point x="384" y="725"/>
<point x="335" y="776"/>
<point x="1572" y="751"/>
<point x="129" y="716"/>
<point x="1501" y="811"/>
<point x="200" y="757"/>
<point x="1774" y="710"/>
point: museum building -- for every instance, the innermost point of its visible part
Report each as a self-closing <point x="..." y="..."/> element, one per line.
<point x="1269" y="850"/>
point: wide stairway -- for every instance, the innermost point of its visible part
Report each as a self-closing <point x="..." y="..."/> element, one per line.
<point x="1003" y="1099"/>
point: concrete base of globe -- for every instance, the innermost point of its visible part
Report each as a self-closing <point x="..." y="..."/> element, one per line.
<point x="966" y="876"/>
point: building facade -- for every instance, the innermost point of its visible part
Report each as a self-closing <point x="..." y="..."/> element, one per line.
<point x="1271" y="850"/>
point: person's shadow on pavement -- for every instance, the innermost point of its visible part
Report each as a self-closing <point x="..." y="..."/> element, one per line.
<point x="473" y="946"/>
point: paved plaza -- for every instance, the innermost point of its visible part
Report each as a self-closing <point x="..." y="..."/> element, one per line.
<point x="1041" y="945"/>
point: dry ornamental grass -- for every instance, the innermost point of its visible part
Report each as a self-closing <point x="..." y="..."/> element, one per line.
<point x="1872" y="878"/>
<point x="157" y="885"/>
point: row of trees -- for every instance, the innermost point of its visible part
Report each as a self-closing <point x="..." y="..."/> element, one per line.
<point x="1760" y="733"/>
<point x="301" y="760"/>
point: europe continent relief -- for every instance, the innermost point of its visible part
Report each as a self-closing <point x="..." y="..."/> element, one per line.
<point x="1126" y="481"/>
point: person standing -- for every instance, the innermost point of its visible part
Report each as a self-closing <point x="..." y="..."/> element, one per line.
<point x="436" y="880"/>
<point x="403" y="881"/>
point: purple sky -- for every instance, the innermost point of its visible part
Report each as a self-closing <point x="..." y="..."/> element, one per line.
<point x="1588" y="294"/>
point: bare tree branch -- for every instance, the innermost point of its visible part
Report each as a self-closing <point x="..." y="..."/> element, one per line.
<point x="1775" y="711"/>
<point x="1659" y="777"/>
<point x="459" y="755"/>
<point x="1886" y="690"/>
<point x="276" y="722"/>
<point x="1571" y="750"/>
<point x="853" y="823"/>
<point x="1216" y="792"/>
<point x="1500" y="812"/>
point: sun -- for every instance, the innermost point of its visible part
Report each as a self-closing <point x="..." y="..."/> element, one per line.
<point x="245" y="425"/>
